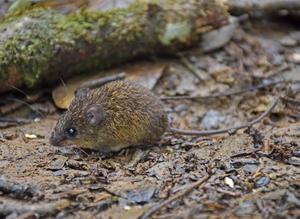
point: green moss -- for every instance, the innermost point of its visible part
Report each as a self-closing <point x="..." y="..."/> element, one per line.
<point x="27" y="48"/>
<point x="43" y="44"/>
<point x="176" y="31"/>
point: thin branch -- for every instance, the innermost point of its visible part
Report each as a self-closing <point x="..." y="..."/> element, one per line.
<point x="26" y="104"/>
<point x="226" y="130"/>
<point x="178" y="195"/>
<point x="291" y="101"/>
<point x="17" y="89"/>
<point x="192" y="68"/>
<point x="15" y="120"/>
<point x="225" y="94"/>
<point x="226" y="192"/>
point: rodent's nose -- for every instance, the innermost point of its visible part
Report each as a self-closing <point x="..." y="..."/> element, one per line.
<point x="55" y="140"/>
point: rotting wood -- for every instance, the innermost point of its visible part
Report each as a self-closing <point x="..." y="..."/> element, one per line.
<point x="42" y="45"/>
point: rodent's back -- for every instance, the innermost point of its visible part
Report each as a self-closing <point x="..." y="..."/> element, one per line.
<point x="133" y="115"/>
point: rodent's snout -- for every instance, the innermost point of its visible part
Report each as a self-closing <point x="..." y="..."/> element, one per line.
<point x="55" y="140"/>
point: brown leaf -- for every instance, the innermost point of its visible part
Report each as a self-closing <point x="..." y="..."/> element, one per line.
<point x="144" y="73"/>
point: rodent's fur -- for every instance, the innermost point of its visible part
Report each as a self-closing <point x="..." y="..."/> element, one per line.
<point x="132" y="116"/>
<point x="121" y="114"/>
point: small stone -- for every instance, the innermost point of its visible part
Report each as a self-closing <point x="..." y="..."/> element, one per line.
<point x="277" y="59"/>
<point x="229" y="182"/>
<point x="181" y="109"/>
<point x="30" y="136"/>
<point x="272" y="176"/>
<point x="249" y="169"/>
<point x="212" y="120"/>
<point x="295" y="57"/>
<point x="288" y="42"/>
<point x="37" y="119"/>
<point x="296" y="152"/>
<point x="127" y="207"/>
<point x="262" y="181"/>
<point x="294" y="161"/>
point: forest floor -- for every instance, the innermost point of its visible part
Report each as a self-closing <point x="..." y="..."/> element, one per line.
<point x="252" y="173"/>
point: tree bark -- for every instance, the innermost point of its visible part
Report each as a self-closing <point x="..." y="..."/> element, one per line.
<point x="42" y="45"/>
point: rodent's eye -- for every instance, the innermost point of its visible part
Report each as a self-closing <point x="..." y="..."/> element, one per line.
<point x="71" y="132"/>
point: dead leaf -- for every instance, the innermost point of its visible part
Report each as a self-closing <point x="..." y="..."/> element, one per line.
<point x="218" y="38"/>
<point x="144" y="73"/>
<point x="101" y="196"/>
<point x="137" y="192"/>
<point x="58" y="163"/>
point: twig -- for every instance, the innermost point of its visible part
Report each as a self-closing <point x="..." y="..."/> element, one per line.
<point x="178" y="195"/>
<point x="291" y="101"/>
<point x="103" y="80"/>
<point x="17" y="89"/>
<point x="221" y="131"/>
<point x="226" y="192"/>
<point x="43" y="209"/>
<point x="18" y="190"/>
<point x="196" y="72"/>
<point x="243" y="154"/>
<point x="9" y="108"/>
<point x="225" y="94"/>
<point x="26" y="104"/>
<point x="15" y="120"/>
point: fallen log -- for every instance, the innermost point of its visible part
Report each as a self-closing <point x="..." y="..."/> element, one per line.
<point x="42" y="44"/>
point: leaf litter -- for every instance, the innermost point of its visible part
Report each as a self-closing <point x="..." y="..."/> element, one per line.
<point x="252" y="173"/>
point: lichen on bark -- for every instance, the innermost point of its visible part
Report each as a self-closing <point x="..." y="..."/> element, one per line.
<point x="43" y="44"/>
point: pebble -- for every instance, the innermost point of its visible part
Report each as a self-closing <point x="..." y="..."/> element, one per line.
<point x="30" y="136"/>
<point x="295" y="57"/>
<point x="212" y="120"/>
<point x="262" y="181"/>
<point x="249" y="169"/>
<point x="288" y="42"/>
<point x="296" y="152"/>
<point x="229" y="182"/>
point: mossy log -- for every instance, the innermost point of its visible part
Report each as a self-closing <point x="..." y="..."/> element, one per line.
<point x="42" y="44"/>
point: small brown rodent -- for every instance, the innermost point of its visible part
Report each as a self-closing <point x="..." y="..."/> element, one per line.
<point x="117" y="115"/>
<point x="114" y="116"/>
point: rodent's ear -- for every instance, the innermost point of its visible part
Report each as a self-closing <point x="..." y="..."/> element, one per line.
<point x="95" y="114"/>
<point x="81" y="93"/>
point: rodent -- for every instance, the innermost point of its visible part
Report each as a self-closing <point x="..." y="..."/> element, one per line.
<point x="114" y="116"/>
<point x="117" y="115"/>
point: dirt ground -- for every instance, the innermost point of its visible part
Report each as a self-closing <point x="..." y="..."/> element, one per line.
<point x="252" y="173"/>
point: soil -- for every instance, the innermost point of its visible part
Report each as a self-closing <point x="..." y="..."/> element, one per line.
<point x="253" y="173"/>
